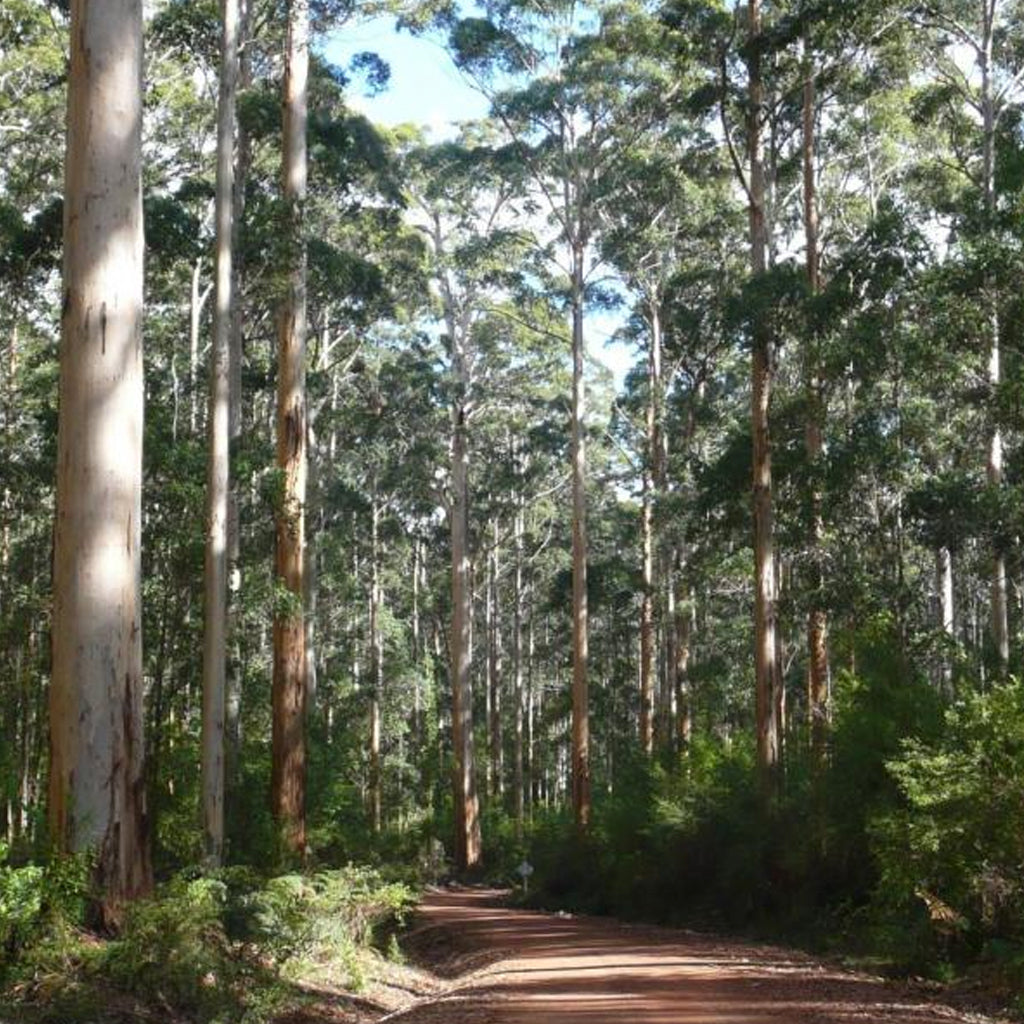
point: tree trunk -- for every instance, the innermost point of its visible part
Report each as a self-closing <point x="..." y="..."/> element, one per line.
<point x="467" y="810"/>
<point x="376" y="670"/>
<point x="580" y="694"/>
<point x="647" y="616"/>
<point x="684" y="687"/>
<point x="654" y="480"/>
<point x="946" y="616"/>
<point x="994" y="466"/>
<point x="517" y="669"/>
<point x="766" y="669"/>
<point x="289" y="689"/>
<point x="495" y="670"/>
<point x="218" y="475"/>
<point x="817" y="623"/>
<point x="233" y="680"/>
<point x="97" y="798"/>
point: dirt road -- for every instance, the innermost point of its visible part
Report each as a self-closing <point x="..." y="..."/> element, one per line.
<point x="510" y="966"/>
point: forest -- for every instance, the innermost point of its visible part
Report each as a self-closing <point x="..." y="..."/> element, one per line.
<point x="339" y="560"/>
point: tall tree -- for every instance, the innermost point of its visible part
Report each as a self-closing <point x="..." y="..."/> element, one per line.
<point x="814" y="431"/>
<point x="289" y="684"/>
<point x="218" y="426"/>
<point x="975" y="55"/>
<point x="97" y="788"/>
<point x="583" y="73"/>
<point x="768" y="683"/>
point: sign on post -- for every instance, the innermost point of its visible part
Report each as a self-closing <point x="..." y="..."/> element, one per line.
<point x="525" y="870"/>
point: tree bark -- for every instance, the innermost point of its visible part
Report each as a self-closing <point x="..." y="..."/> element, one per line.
<point x="654" y="480"/>
<point x="289" y="687"/>
<point x="947" y="613"/>
<point x="766" y="669"/>
<point x="580" y="693"/>
<point x="497" y="759"/>
<point x="376" y="670"/>
<point x="647" y="666"/>
<point x="994" y="463"/>
<point x="684" y="686"/>
<point x="218" y="473"/>
<point x="97" y="797"/>
<point x="517" y="669"/>
<point x="817" y="622"/>
<point x="233" y="680"/>
<point x="467" y="810"/>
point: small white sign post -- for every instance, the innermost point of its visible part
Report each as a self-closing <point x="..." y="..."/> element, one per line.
<point x="525" y="870"/>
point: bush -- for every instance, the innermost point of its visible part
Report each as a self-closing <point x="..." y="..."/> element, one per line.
<point x="325" y="917"/>
<point x="951" y="855"/>
<point x="174" y="950"/>
<point x="36" y="898"/>
<point x="211" y="949"/>
<point x="21" y="902"/>
<point x="694" y="841"/>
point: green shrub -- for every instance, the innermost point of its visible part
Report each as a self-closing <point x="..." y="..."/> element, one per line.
<point x="326" y="915"/>
<point x="174" y="949"/>
<point x="21" y="902"/>
<point x="209" y="949"/>
<point x="951" y="853"/>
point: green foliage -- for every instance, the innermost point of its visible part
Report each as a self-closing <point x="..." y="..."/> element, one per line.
<point x="324" y="915"/>
<point x="951" y="852"/>
<point x="224" y="948"/>
<point x="174" y="950"/>
<point x="698" y="841"/>
<point x="21" y="902"/>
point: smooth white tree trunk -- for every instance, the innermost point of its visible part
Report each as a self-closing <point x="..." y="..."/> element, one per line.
<point x="218" y="471"/>
<point x="97" y="787"/>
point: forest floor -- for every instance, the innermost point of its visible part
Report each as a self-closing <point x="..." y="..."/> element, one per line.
<point x="482" y="962"/>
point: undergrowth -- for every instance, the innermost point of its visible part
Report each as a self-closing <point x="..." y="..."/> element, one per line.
<point x="226" y="948"/>
<point x="902" y="850"/>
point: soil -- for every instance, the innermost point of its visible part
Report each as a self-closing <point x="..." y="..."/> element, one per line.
<point x="502" y="965"/>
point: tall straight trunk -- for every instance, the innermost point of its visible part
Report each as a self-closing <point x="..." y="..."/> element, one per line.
<point x="765" y="664"/>
<point x="647" y="660"/>
<point x="668" y="698"/>
<point x="468" y="844"/>
<point x="97" y="797"/>
<point x="517" y="669"/>
<point x="467" y="809"/>
<point x="218" y="475"/>
<point x="416" y="726"/>
<point x="233" y="680"/>
<point x="683" y="683"/>
<point x="497" y="759"/>
<point x="946" y="613"/>
<point x="532" y="698"/>
<point x="580" y="693"/>
<point x="194" y="316"/>
<point x="654" y="480"/>
<point x="488" y="668"/>
<point x="994" y="462"/>
<point x="376" y="670"/>
<point x="817" y="623"/>
<point x="289" y="689"/>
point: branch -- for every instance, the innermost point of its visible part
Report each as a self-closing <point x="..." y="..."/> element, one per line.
<point x="727" y="131"/>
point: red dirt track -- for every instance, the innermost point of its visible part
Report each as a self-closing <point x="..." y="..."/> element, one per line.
<point x="525" y="967"/>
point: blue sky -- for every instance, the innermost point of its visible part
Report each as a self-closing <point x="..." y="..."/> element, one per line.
<point x="427" y="89"/>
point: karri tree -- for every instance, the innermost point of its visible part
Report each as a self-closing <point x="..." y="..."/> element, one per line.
<point x="218" y="426"/>
<point x="288" y="791"/>
<point x="97" y="785"/>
